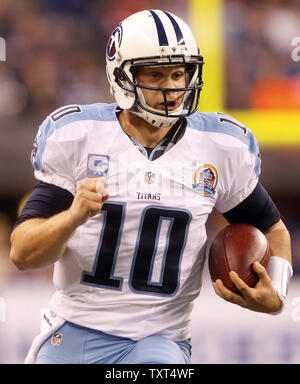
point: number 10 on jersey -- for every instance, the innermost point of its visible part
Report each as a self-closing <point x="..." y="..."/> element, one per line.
<point x="143" y="258"/>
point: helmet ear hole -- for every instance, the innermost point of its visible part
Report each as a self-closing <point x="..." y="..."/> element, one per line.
<point x="119" y="75"/>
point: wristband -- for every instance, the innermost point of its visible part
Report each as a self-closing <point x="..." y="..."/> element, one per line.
<point x="280" y="272"/>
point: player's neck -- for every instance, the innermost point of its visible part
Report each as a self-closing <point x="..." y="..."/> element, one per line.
<point x="141" y="131"/>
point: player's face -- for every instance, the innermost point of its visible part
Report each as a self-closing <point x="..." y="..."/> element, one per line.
<point x="162" y="77"/>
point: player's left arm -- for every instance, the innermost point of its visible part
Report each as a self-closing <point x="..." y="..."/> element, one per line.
<point x="270" y="292"/>
<point x="259" y="210"/>
<point x="279" y="241"/>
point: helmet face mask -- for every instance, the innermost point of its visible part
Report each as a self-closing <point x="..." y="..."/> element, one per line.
<point x="122" y="71"/>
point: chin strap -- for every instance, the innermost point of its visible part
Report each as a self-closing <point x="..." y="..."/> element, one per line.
<point x="153" y="118"/>
<point x="156" y="121"/>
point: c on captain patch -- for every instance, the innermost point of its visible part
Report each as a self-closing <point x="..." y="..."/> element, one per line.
<point x="56" y="339"/>
<point x="97" y="165"/>
<point x="206" y="179"/>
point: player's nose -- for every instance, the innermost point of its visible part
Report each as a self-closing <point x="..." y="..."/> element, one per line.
<point x="169" y="82"/>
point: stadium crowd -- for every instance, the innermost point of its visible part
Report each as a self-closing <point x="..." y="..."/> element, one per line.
<point x="258" y="46"/>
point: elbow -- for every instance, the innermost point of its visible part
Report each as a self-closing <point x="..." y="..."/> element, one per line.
<point x="17" y="259"/>
<point x="17" y="255"/>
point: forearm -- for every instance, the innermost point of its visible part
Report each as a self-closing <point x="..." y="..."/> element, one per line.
<point x="37" y="243"/>
<point x="280" y="268"/>
<point x="280" y="241"/>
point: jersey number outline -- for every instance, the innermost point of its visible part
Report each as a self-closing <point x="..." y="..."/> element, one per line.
<point x="64" y="111"/>
<point x="102" y="275"/>
<point x="226" y="120"/>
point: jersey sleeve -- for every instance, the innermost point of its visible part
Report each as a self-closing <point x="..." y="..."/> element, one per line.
<point x="53" y="155"/>
<point x="242" y="165"/>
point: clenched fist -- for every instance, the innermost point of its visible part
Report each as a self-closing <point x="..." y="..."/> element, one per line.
<point x="87" y="201"/>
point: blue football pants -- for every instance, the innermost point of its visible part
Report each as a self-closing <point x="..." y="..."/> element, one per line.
<point x="80" y="345"/>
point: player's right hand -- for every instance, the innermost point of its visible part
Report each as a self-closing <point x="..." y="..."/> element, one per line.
<point x="87" y="202"/>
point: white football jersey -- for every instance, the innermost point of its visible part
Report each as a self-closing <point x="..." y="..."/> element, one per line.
<point x="134" y="269"/>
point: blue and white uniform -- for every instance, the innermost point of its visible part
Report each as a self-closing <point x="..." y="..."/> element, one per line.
<point x="134" y="269"/>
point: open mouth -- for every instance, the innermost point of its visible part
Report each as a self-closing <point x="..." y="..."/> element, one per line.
<point x="170" y="105"/>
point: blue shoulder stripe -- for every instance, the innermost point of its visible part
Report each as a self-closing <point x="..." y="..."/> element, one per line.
<point x="211" y="122"/>
<point x="71" y="113"/>
<point x="66" y="115"/>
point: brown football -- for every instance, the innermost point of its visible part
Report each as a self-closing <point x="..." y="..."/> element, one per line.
<point x="236" y="248"/>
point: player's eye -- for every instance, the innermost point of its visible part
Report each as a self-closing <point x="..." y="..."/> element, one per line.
<point x="154" y="75"/>
<point x="178" y="75"/>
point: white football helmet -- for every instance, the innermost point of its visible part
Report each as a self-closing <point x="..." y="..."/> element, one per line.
<point x="153" y="38"/>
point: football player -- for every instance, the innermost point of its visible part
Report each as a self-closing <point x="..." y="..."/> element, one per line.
<point x="122" y="197"/>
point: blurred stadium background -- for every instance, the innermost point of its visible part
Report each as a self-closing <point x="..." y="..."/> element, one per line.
<point x="55" y="55"/>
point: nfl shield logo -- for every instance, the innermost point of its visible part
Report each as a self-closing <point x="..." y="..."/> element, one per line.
<point x="149" y="177"/>
<point x="56" y="339"/>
